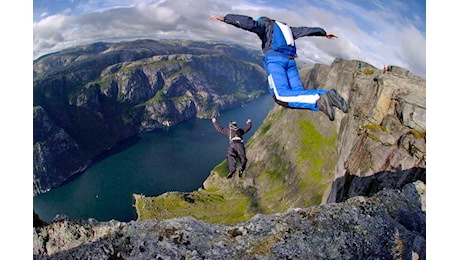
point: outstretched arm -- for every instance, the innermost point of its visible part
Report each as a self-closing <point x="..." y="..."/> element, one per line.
<point x="298" y="32"/>
<point x="241" y="21"/>
<point x="248" y="126"/>
<point x="219" y="128"/>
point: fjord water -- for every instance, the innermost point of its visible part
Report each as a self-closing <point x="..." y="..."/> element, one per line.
<point x="176" y="159"/>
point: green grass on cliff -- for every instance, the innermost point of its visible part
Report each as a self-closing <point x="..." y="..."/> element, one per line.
<point x="223" y="202"/>
<point x="314" y="149"/>
<point x="300" y="176"/>
<point x="212" y="206"/>
<point x="297" y="177"/>
<point x="319" y="153"/>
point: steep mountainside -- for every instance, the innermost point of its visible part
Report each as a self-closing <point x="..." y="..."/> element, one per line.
<point x="89" y="98"/>
<point x="299" y="158"/>
<point x="353" y="188"/>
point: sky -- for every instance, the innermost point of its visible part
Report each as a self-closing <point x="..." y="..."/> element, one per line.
<point x="381" y="33"/>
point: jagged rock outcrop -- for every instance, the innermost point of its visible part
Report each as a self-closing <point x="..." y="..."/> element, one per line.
<point x="382" y="142"/>
<point x="52" y="145"/>
<point x="379" y="144"/>
<point x="98" y="95"/>
<point x="389" y="225"/>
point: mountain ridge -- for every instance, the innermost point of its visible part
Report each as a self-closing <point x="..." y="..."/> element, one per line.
<point x="88" y="99"/>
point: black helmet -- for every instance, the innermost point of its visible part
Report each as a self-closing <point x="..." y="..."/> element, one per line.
<point x="262" y="19"/>
<point x="232" y="125"/>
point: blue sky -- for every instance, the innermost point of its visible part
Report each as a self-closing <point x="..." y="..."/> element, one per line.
<point x="378" y="32"/>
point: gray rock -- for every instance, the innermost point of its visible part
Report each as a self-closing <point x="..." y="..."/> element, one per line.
<point x="389" y="225"/>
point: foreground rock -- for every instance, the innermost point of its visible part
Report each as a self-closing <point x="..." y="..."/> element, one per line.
<point x="389" y="225"/>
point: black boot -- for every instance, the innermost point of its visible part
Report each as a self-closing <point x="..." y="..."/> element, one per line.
<point x="230" y="174"/>
<point x="337" y="100"/>
<point x="325" y="105"/>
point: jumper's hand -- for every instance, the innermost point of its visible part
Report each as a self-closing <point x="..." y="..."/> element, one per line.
<point x="330" y="36"/>
<point x="217" y="17"/>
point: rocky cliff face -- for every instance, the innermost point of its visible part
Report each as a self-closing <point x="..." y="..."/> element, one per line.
<point x="87" y="99"/>
<point x="389" y="225"/>
<point x="382" y="142"/>
<point x="353" y="188"/>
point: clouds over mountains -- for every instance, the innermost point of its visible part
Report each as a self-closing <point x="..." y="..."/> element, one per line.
<point x="380" y="32"/>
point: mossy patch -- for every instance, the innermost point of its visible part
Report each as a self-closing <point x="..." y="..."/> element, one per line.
<point x="368" y="72"/>
<point x="221" y="169"/>
<point x="417" y="134"/>
<point x="211" y="206"/>
<point x="374" y="127"/>
<point x="263" y="246"/>
<point x="264" y="127"/>
<point x="317" y="151"/>
<point x="275" y="200"/>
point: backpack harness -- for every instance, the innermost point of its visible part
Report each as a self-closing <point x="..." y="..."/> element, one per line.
<point x="233" y="134"/>
<point x="282" y="39"/>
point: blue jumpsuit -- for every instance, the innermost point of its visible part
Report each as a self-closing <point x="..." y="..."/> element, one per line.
<point x="278" y="45"/>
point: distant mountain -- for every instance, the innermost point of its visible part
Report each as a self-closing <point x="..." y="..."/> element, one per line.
<point x="87" y="99"/>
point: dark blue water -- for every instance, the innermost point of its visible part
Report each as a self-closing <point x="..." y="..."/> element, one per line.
<point x="176" y="159"/>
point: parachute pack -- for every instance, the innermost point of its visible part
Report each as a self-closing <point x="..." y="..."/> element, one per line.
<point x="235" y="134"/>
<point x="283" y="41"/>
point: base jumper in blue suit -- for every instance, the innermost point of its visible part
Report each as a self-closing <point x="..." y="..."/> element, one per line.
<point x="278" y="45"/>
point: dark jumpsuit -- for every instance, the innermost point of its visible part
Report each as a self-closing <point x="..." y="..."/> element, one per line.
<point x="235" y="148"/>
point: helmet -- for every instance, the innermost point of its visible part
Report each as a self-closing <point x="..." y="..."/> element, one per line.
<point x="262" y="18"/>
<point x="232" y="125"/>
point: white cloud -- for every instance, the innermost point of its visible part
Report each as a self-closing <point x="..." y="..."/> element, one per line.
<point x="376" y="34"/>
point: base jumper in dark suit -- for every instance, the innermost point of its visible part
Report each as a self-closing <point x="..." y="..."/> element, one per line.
<point x="236" y="147"/>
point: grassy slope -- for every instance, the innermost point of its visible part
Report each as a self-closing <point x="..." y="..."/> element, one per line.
<point x="294" y="178"/>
